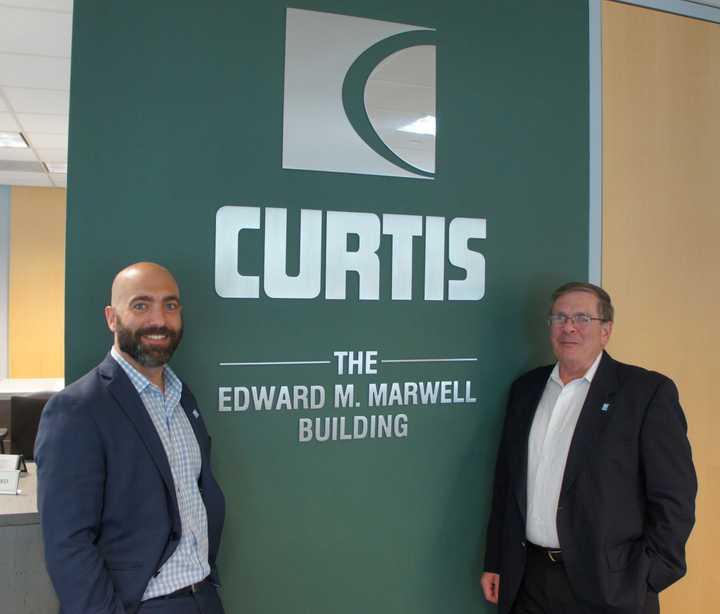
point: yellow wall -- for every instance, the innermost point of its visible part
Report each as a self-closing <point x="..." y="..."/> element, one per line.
<point x="661" y="251"/>
<point x="36" y="305"/>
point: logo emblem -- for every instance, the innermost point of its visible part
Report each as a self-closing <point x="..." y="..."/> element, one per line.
<point x="359" y="96"/>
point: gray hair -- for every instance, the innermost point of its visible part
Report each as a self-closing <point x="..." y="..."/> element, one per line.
<point x="605" y="306"/>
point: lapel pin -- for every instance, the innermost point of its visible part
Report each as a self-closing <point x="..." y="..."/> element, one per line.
<point x="197" y="415"/>
<point x="605" y="407"/>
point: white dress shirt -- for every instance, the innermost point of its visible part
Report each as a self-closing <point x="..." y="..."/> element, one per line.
<point x="550" y="436"/>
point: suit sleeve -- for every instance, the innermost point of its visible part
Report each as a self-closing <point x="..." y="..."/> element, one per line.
<point x="493" y="542"/>
<point x="71" y="475"/>
<point x="670" y="485"/>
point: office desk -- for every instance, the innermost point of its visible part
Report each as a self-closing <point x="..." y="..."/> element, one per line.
<point x="24" y="387"/>
<point x="25" y="587"/>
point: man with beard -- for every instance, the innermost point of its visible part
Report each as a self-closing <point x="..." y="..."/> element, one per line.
<point x="130" y="511"/>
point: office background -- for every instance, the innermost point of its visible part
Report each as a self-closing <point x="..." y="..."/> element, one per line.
<point x="397" y="525"/>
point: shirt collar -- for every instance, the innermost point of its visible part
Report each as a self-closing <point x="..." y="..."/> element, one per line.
<point x="140" y="382"/>
<point x="589" y="374"/>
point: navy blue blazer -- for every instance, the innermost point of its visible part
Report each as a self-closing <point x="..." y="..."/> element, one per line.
<point x="106" y="496"/>
<point x="627" y="502"/>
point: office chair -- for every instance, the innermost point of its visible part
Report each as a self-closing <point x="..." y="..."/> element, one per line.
<point x="24" y="420"/>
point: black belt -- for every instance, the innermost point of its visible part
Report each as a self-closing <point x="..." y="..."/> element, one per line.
<point x="186" y="591"/>
<point x="554" y="555"/>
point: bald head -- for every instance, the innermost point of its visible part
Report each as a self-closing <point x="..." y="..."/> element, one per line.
<point x="145" y="316"/>
<point x="138" y="276"/>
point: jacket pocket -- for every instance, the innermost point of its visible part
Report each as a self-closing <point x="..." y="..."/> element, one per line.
<point x="621" y="556"/>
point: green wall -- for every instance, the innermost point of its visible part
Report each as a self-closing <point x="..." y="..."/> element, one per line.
<point x="176" y="111"/>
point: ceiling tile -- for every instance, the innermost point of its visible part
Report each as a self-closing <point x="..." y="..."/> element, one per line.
<point x="34" y="71"/>
<point x="47" y="141"/>
<point x="13" y="166"/>
<point x="38" y="101"/>
<point x="32" y="179"/>
<point x="49" y="124"/>
<point x="9" y="153"/>
<point x="59" y="180"/>
<point x="35" y="32"/>
<point x="7" y="123"/>
<point x="61" y="6"/>
<point x="52" y="155"/>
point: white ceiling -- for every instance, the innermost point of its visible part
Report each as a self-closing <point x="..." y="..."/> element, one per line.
<point x="35" y="37"/>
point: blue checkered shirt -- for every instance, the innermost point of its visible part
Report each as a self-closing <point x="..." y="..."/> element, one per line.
<point x="189" y="562"/>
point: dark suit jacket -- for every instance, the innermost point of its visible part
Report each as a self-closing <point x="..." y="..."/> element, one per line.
<point x="627" y="502"/>
<point x="106" y="495"/>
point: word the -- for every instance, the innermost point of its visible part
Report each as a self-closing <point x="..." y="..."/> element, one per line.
<point x="356" y="363"/>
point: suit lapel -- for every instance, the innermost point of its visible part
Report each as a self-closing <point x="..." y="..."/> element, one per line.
<point x="593" y="418"/>
<point x="527" y="405"/>
<point x="124" y="393"/>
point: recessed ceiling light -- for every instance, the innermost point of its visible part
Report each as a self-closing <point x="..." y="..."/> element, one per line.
<point x="56" y="167"/>
<point x="12" y="139"/>
<point x="424" y="125"/>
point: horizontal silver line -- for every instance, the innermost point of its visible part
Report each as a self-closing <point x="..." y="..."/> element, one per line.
<point x="38" y="89"/>
<point x="431" y="360"/>
<point x="35" y="55"/>
<point x="34" y="8"/>
<point x="285" y="362"/>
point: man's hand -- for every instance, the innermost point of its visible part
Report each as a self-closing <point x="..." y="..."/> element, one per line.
<point x="490" y="583"/>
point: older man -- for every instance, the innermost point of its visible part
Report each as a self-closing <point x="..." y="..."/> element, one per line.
<point x="594" y="491"/>
<point x="130" y="511"/>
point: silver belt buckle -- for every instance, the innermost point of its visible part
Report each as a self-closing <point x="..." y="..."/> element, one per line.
<point x="550" y="554"/>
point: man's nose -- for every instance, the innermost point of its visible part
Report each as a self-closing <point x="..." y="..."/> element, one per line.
<point x="569" y="325"/>
<point x="156" y="317"/>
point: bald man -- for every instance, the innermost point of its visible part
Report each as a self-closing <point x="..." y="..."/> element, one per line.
<point x="130" y="511"/>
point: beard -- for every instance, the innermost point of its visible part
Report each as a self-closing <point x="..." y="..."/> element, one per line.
<point x="130" y="341"/>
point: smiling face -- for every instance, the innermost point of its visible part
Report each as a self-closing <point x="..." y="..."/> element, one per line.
<point x="576" y="346"/>
<point x="145" y="316"/>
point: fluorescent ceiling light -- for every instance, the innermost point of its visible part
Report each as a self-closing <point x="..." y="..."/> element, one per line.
<point x="57" y="167"/>
<point x="424" y="125"/>
<point x="12" y="139"/>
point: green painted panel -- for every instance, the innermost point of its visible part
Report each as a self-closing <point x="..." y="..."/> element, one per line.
<point x="176" y="111"/>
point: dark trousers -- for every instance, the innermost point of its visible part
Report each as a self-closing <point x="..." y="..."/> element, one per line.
<point x="545" y="589"/>
<point x="205" y="601"/>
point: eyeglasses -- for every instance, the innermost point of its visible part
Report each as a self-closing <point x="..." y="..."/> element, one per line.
<point x="580" y="320"/>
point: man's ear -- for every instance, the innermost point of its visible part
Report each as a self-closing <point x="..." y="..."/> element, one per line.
<point x="110" y="317"/>
<point x="607" y="331"/>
